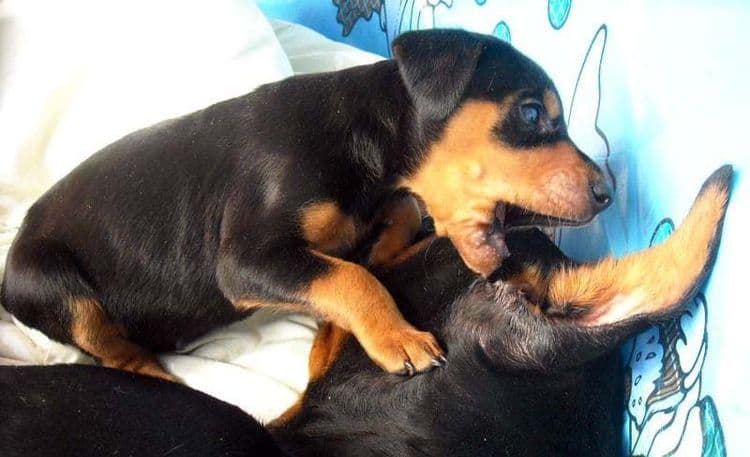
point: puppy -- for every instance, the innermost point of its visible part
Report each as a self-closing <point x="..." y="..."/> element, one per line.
<point x="257" y="201"/>
<point x="523" y="380"/>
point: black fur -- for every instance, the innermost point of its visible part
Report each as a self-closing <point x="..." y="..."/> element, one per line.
<point x="87" y="411"/>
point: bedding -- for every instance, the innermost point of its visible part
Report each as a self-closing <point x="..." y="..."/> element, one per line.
<point x="63" y="97"/>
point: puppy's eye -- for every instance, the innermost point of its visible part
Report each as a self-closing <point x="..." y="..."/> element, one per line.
<point x="531" y="112"/>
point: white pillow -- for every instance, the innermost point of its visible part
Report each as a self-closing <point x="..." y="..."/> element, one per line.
<point x="80" y="74"/>
<point x="310" y="52"/>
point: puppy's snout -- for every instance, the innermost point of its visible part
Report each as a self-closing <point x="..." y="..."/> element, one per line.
<point x="602" y="194"/>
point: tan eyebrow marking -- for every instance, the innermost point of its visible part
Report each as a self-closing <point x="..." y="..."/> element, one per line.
<point x="552" y="104"/>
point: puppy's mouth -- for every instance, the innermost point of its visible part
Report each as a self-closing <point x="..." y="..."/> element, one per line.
<point x="510" y="217"/>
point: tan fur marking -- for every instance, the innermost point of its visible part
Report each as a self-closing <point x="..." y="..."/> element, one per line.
<point x="403" y="222"/>
<point x="353" y="299"/>
<point x="329" y="340"/>
<point x="96" y="334"/>
<point x="249" y="304"/>
<point x="326" y="349"/>
<point x="327" y="228"/>
<point x="468" y="170"/>
<point x="287" y="416"/>
<point x="552" y="104"/>
<point x="648" y="281"/>
<point x="409" y="252"/>
<point x="532" y="282"/>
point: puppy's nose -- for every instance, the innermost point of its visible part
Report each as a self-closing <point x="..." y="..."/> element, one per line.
<point x="602" y="194"/>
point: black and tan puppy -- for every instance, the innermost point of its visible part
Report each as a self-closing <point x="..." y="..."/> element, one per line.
<point x="256" y="201"/>
<point x="523" y="380"/>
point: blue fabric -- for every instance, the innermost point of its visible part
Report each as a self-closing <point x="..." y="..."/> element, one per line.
<point x="656" y="92"/>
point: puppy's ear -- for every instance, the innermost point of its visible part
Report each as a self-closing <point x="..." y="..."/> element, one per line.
<point x="436" y="66"/>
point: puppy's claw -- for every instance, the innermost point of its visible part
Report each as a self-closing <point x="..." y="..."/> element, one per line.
<point x="404" y="351"/>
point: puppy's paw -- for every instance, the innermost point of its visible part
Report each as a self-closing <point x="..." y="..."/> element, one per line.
<point x="406" y="351"/>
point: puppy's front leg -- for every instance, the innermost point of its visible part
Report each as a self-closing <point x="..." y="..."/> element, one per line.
<point x="352" y="298"/>
<point x="336" y="290"/>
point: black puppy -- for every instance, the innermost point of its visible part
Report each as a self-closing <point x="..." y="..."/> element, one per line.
<point x="258" y="201"/>
<point x="523" y="380"/>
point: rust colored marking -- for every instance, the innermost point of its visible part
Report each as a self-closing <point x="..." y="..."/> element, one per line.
<point x="327" y="228"/>
<point x="96" y="334"/>
<point x="403" y="220"/>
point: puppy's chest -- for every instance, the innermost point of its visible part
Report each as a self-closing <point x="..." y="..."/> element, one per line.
<point x="330" y="230"/>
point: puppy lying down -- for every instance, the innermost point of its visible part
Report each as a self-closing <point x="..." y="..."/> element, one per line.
<point x="534" y="368"/>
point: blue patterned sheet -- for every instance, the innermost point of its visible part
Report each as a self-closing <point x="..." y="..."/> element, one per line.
<point x="658" y="93"/>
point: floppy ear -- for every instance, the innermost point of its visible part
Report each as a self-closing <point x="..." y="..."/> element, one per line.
<point x="436" y="67"/>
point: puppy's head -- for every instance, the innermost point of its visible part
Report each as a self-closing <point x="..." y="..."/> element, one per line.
<point x="496" y="151"/>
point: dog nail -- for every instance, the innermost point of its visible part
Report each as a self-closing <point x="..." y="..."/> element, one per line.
<point x="409" y="368"/>
<point x="443" y="360"/>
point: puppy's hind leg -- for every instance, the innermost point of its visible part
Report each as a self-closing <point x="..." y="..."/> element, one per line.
<point x="44" y="288"/>
<point x="96" y="334"/>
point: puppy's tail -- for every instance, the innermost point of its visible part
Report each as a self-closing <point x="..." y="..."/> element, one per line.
<point x="652" y="281"/>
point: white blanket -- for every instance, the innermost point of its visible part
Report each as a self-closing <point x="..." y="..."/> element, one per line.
<point x="77" y="75"/>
